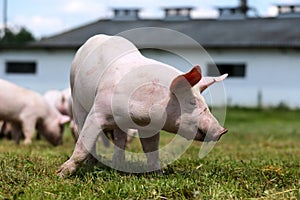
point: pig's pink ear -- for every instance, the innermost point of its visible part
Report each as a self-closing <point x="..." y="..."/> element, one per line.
<point x="64" y="119"/>
<point x="187" y="80"/>
<point x="207" y="81"/>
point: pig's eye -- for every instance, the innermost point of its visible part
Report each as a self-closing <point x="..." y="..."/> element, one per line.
<point x="190" y="101"/>
<point x="193" y="102"/>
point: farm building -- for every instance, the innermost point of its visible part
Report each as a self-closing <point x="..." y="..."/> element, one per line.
<point x="261" y="55"/>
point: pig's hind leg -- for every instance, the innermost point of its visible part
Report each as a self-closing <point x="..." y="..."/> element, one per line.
<point x="150" y="147"/>
<point x="118" y="159"/>
<point x="84" y="145"/>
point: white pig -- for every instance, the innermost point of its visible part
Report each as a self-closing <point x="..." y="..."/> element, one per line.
<point x="5" y="130"/>
<point x="103" y="73"/>
<point x="203" y="84"/>
<point x="61" y="100"/>
<point x="66" y="102"/>
<point x="27" y="110"/>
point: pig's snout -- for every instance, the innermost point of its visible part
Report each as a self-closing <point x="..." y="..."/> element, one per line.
<point x="209" y="128"/>
<point x="222" y="132"/>
<point x="211" y="136"/>
<point x="55" y="141"/>
<point x="58" y="142"/>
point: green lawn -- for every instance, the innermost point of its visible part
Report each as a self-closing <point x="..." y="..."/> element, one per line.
<point x="258" y="158"/>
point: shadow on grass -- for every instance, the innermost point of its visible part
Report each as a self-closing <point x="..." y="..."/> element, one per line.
<point x="128" y="168"/>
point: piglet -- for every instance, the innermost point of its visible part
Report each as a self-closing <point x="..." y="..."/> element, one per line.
<point x="115" y="88"/>
<point x="27" y="110"/>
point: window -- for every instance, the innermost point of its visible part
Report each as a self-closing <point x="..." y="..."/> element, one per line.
<point x="233" y="70"/>
<point x="20" y="67"/>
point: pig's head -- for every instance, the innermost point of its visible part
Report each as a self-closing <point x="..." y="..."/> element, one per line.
<point x="52" y="128"/>
<point x="187" y="112"/>
<point x="64" y="103"/>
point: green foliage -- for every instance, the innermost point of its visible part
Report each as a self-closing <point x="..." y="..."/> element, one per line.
<point x="257" y="158"/>
<point x="20" y="37"/>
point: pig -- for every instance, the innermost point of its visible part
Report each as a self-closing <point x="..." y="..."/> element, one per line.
<point x="5" y="130"/>
<point x="2" y="129"/>
<point x="61" y="100"/>
<point x="103" y="73"/>
<point x="66" y="102"/>
<point x="53" y="97"/>
<point x="65" y="107"/>
<point x="27" y="110"/>
<point x="203" y="84"/>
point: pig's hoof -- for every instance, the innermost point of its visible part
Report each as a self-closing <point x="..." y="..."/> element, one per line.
<point x="27" y="142"/>
<point x="67" y="169"/>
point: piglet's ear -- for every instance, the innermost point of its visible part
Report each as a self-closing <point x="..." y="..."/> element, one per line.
<point x="187" y="80"/>
<point x="64" y="119"/>
<point x="207" y="81"/>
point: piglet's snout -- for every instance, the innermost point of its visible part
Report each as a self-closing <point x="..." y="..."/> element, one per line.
<point x="212" y="135"/>
<point x="215" y="135"/>
<point x="222" y="132"/>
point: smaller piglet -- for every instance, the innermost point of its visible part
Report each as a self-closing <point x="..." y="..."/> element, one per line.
<point x="61" y="100"/>
<point x="27" y="110"/>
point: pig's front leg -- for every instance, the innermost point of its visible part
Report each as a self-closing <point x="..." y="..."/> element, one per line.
<point x="28" y="128"/>
<point x="16" y="132"/>
<point x="84" y="146"/>
<point x="120" y="138"/>
<point x="150" y="147"/>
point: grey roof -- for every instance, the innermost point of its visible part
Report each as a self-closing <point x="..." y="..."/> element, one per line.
<point x="210" y="33"/>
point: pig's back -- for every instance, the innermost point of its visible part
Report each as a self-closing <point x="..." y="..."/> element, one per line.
<point x="14" y="99"/>
<point x="52" y="97"/>
<point x="91" y="63"/>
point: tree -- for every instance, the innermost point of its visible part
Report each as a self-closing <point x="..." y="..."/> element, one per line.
<point x="20" y="37"/>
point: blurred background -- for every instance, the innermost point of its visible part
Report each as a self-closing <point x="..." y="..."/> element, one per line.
<point x="256" y="42"/>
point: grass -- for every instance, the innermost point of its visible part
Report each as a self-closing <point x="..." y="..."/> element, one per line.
<point x="257" y="159"/>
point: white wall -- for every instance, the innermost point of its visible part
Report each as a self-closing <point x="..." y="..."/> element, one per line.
<point x="274" y="73"/>
<point x="52" y="69"/>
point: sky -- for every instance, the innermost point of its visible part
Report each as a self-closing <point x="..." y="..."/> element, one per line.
<point x="49" y="17"/>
